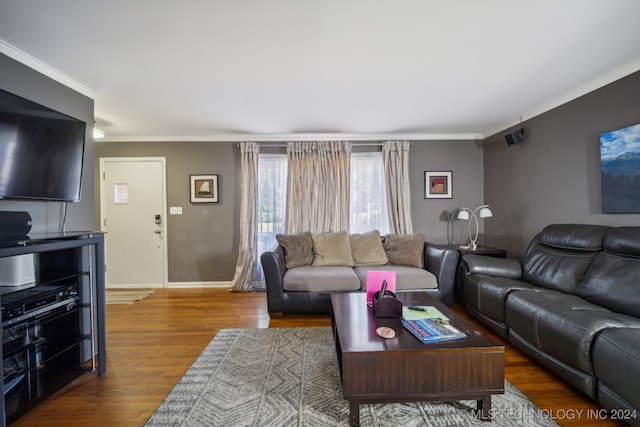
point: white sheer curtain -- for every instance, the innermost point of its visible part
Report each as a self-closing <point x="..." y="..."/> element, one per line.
<point x="396" y="166"/>
<point x="272" y="203"/>
<point x="368" y="205"/>
<point x="246" y="264"/>
<point x="318" y="186"/>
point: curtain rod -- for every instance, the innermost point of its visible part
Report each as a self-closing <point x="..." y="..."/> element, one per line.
<point x="284" y="144"/>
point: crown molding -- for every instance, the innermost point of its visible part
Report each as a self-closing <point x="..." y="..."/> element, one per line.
<point x="284" y="137"/>
<point x="31" y="62"/>
<point x="561" y="100"/>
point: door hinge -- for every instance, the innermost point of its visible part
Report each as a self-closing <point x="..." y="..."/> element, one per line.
<point x="104" y="222"/>
<point x="104" y="176"/>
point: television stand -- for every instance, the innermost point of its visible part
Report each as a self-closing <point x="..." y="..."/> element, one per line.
<point x="53" y="331"/>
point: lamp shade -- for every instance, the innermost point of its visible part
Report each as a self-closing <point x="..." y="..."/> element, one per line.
<point x="485" y="212"/>
<point x="463" y="214"/>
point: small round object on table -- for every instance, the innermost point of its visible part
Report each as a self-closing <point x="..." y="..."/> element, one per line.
<point x="385" y="332"/>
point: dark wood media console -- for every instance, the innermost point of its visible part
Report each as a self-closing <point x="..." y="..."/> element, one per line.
<point x="54" y="330"/>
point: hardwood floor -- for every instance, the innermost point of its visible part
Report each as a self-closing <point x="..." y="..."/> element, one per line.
<point x="150" y="345"/>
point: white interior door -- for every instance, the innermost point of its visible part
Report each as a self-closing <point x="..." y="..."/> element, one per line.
<point x="133" y="207"/>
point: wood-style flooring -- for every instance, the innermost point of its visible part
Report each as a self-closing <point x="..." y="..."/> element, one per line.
<point x="151" y="344"/>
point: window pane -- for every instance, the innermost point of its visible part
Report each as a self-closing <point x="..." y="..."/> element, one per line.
<point x="272" y="192"/>
<point x="368" y="209"/>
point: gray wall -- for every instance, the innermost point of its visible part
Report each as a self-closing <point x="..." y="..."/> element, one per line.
<point x="464" y="160"/>
<point x="554" y="175"/>
<point x="202" y="243"/>
<point x="27" y="83"/>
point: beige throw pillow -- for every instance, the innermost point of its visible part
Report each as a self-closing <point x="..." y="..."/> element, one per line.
<point x="405" y="249"/>
<point x="367" y="249"/>
<point x="298" y="248"/>
<point x="332" y="249"/>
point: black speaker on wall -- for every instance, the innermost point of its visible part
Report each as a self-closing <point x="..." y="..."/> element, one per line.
<point x="514" y="137"/>
<point x="14" y="224"/>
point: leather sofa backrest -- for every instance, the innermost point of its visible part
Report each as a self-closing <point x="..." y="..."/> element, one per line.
<point x="560" y="255"/>
<point x="613" y="280"/>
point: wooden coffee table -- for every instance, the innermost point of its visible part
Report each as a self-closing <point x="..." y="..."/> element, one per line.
<point x="403" y="369"/>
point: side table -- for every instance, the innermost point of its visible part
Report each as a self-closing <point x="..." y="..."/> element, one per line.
<point x="480" y="250"/>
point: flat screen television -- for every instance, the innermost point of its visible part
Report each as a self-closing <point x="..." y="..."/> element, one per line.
<point x="41" y="151"/>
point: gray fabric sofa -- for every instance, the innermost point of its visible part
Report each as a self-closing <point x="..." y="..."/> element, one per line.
<point x="307" y="289"/>
<point x="572" y="303"/>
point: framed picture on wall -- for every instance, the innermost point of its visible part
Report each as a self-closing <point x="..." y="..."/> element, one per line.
<point x="204" y="188"/>
<point x="620" y="170"/>
<point x="438" y="185"/>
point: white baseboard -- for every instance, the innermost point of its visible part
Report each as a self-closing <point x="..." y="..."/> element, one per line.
<point x="175" y="285"/>
<point x="134" y="286"/>
<point x="199" y="285"/>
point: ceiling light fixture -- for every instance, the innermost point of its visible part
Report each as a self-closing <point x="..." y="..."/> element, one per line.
<point x="97" y="133"/>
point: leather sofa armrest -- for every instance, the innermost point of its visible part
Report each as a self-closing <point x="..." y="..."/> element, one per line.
<point x="442" y="262"/>
<point x="274" y="267"/>
<point x="491" y="266"/>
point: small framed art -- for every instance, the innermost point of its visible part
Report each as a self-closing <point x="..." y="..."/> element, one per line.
<point x="437" y="185"/>
<point x="204" y="188"/>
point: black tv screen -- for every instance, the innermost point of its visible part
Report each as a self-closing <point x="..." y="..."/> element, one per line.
<point x="41" y="151"/>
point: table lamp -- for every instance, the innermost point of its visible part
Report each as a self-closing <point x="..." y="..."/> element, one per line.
<point x="467" y="214"/>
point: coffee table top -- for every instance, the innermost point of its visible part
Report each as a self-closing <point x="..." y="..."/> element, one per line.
<point x="356" y="324"/>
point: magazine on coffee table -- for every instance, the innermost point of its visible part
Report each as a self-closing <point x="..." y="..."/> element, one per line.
<point x="433" y="330"/>
<point x="415" y="312"/>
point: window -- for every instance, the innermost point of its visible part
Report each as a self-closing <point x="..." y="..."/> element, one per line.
<point x="368" y="204"/>
<point x="272" y="192"/>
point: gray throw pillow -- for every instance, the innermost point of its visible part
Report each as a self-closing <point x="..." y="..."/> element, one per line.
<point x="405" y="249"/>
<point x="298" y="248"/>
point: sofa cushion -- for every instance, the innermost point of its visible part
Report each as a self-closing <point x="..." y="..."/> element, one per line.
<point x="554" y="268"/>
<point x="332" y="249"/>
<point x="612" y="282"/>
<point x="563" y="326"/>
<point x="298" y="248"/>
<point x="407" y="278"/>
<point x="405" y="249"/>
<point x="623" y="241"/>
<point x="367" y="249"/>
<point x="321" y="279"/>
<point x="487" y="295"/>
<point x="574" y="236"/>
<point x="559" y="256"/>
<point x="616" y="360"/>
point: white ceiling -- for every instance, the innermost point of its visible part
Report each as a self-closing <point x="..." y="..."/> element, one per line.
<point x="271" y="69"/>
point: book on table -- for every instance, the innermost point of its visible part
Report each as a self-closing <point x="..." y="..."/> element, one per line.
<point x="433" y="330"/>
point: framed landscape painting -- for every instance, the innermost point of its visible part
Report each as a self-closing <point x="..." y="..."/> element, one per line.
<point x="620" y="168"/>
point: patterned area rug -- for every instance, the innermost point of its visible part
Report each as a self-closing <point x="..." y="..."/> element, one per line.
<point x="289" y="377"/>
<point x="126" y="296"/>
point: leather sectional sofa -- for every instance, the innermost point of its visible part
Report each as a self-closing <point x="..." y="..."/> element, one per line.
<point x="306" y="287"/>
<point x="572" y="303"/>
